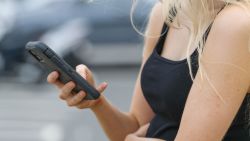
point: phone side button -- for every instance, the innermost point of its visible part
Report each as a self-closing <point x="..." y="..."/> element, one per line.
<point x="58" y="62"/>
<point x="48" y="53"/>
<point x="70" y="70"/>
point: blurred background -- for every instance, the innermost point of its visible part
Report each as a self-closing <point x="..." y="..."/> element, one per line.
<point x="97" y="33"/>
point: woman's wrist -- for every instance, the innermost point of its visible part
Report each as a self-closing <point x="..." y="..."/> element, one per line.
<point x="99" y="104"/>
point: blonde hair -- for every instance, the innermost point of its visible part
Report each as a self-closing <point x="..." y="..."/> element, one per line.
<point x="201" y="13"/>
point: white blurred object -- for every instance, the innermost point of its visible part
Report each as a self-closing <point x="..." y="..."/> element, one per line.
<point x="52" y="132"/>
<point x="8" y="10"/>
<point x="31" y="5"/>
<point x="88" y="1"/>
<point x="64" y="37"/>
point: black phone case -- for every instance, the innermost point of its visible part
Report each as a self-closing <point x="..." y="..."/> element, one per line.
<point x="52" y="62"/>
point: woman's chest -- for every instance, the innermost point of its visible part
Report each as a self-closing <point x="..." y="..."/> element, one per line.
<point x="166" y="86"/>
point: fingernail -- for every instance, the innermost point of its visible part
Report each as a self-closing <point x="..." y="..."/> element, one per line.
<point x="55" y="73"/>
<point x="77" y="68"/>
<point x="72" y="84"/>
<point x="104" y="84"/>
<point x="83" y="94"/>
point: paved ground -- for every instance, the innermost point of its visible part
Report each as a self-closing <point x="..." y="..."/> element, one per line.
<point x="34" y="112"/>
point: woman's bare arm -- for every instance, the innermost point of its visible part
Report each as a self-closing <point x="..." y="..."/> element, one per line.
<point x="116" y="124"/>
<point x="213" y="103"/>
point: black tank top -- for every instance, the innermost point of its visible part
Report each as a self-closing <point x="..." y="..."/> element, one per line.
<point x="166" y="83"/>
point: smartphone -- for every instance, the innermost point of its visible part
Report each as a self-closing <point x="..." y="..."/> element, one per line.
<point x="52" y="62"/>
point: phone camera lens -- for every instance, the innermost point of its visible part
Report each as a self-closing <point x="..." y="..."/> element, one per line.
<point x="36" y="56"/>
<point x="39" y="58"/>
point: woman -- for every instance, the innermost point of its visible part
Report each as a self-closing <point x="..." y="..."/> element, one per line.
<point x="202" y="40"/>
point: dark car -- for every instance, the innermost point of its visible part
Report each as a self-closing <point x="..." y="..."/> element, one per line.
<point x="99" y="27"/>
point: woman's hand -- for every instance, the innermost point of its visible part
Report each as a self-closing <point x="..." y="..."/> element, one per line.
<point x="140" y="134"/>
<point x="77" y="99"/>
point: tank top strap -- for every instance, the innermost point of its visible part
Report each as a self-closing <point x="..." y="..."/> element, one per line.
<point x="210" y="26"/>
<point x="165" y="29"/>
<point x="162" y="37"/>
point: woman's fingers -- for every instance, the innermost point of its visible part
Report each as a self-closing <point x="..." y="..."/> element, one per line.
<point x="82" y="70"/>
<point x="141" y="132"/>
<point x="76" y="99"/>
<point x="66" y="90"/>
<point x="70" y="97"/>
<point x="85" y="73"/>
<point x="102" y="87"/>
<point x="53" y="79"/>
<point x="86" y="104"/>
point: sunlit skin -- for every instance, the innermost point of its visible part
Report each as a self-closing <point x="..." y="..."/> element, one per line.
<point x="227" y="42"/>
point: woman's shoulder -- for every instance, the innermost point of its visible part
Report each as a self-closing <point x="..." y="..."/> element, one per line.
<point x="233" y="17"/>
<point x="228" y="40"/>
<point x="157" y="16"/>
<point x="154" y="27"/>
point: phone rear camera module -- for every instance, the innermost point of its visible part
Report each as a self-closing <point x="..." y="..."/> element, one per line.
<point x="36" y="56"/>
<point x="39" y="58"/>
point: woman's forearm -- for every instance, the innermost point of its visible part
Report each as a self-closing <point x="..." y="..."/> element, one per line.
<point x="116" y="124"/>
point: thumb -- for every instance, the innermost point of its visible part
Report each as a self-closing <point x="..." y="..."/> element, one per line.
<point x="102" y="87"/>
<point x="81" y="69"/>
